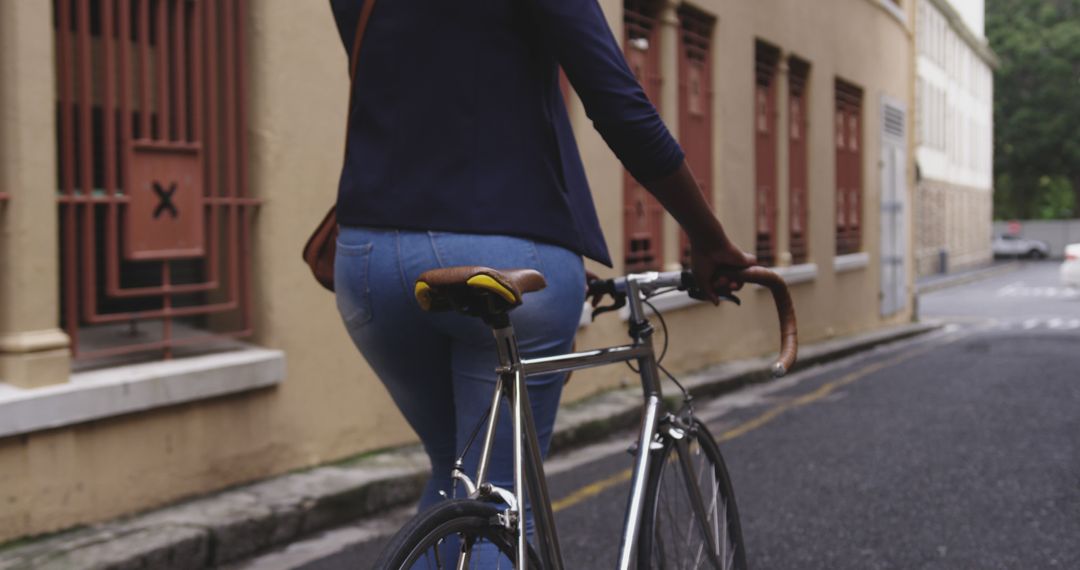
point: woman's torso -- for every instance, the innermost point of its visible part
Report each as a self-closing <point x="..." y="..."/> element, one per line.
<point x="458" y="124"/>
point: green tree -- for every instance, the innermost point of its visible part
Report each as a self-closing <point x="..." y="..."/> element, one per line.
<point x="1037" y="107"/>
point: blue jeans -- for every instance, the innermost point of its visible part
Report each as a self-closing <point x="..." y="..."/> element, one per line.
<point x="440" y="367"/>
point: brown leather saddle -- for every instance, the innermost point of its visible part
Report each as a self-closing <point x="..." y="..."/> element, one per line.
<point x="476" y="290"/>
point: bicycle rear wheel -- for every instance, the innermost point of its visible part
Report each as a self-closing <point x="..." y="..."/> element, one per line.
<point x="676" y="534"/>
<point x="460" y="529"/>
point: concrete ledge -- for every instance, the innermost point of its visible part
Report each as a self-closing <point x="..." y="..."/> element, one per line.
<point x="125" y="389"/>
<point x="851" y="262"/>
<point x="242" y="522"/>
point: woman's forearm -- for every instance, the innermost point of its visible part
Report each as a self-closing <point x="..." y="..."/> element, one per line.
<point x="681" y="196"/>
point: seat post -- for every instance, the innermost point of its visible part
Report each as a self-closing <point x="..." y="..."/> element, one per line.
<point x="505" y="341"/>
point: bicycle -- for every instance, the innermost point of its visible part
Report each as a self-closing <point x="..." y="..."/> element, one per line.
<point x="682" y="476"/>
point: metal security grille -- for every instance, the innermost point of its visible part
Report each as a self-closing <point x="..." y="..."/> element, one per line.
<point x="848" y="168"/>
<point x="643" y="218"/>
<point x="798" y="153"/>
<point x="695" y="102"/>
<point x="154" y="202"/>
<point x="766" y="59"/>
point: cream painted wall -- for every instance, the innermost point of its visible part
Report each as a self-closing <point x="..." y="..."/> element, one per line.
<point x="330" y="406"/>
<point x="834" y="304"/>
<point x="33" y="351"/>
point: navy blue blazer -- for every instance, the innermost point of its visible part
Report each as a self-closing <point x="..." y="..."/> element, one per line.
<point x="458" y="122"/>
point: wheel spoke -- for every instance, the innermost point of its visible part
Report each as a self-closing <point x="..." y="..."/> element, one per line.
<point x="690" y="518"/>
<point x="437" y="548"/>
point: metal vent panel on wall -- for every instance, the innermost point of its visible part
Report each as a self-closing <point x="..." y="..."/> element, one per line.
<point x="895" y="120"/>
<point x="894" y="234"/>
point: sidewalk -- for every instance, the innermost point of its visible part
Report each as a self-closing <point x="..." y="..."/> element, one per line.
<point x="933" y="283"/>
<point x="241" y="522"/>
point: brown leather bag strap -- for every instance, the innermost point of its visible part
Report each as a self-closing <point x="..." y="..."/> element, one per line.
<point x="354" y="57"/>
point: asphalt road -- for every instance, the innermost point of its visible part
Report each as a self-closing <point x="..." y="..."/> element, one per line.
<point x="959" y="449"/>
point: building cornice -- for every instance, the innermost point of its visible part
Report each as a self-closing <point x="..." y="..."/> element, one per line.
<point x="977" y="44"/>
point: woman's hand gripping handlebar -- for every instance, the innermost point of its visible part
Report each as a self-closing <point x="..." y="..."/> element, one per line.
<point x="684" y="281"/>
<point x="785" y="311"/>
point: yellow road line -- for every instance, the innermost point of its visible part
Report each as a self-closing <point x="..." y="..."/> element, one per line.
<point x="593" y="489"/>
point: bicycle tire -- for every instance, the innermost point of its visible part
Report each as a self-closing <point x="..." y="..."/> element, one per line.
<point x="671" y="536"/>
<point x="412" y="548"/>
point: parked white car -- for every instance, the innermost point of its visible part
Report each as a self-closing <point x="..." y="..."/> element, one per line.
<point x="1007" y="245"/>
<point x="1070" y="270"/>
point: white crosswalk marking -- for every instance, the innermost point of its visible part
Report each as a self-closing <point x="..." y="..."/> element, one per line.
<point x="1047" y="323"/>
<point x="1009" y="290"/>
<point x="1020" y="290"/>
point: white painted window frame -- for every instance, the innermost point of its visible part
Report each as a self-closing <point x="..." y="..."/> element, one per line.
<point x="120" y="390"/>
<point x="851" y="262"/>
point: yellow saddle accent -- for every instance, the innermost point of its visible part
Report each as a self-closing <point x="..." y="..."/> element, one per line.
<point x="467" y="287"/>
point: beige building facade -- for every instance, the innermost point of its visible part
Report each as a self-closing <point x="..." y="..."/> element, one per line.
<point x="955" y="136"/>
<point x="145" y="362"/>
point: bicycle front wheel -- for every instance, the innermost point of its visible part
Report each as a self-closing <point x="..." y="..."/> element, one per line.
<point x="460" y="533"/>
<point x="684" y="528"/>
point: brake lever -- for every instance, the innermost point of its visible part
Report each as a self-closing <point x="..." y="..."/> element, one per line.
<point x="619" y="301"/>
<point x="698" y="294"/>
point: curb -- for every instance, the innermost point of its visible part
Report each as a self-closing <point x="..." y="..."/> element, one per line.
<point x="232" y="525"/>
<point x="968" y="277"/>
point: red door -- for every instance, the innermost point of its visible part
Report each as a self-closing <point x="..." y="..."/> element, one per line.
<point x="848" y="168"/>
<point x="797" y="158"/>
<point x="695" y="103"/>
<point x="643" y="218"/>
<point x="765" y="142"/>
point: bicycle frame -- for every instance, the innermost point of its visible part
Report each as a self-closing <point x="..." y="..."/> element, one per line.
<point x="528" y="463"/>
